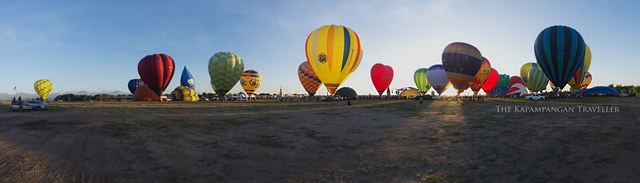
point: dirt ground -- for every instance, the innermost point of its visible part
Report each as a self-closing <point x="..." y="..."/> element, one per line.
<point x="369" y="141"/>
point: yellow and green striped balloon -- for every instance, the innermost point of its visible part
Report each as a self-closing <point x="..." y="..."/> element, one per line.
<point x="43" y="88"/>
<point x="420" y="78"/>
<point x="537" y="80"/>
<point x="184" y="93"/>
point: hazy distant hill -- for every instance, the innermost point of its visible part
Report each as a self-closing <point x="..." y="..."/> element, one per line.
<point x="7" y="96"/>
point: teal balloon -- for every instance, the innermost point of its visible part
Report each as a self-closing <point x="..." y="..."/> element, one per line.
<point x="225" y="69"/>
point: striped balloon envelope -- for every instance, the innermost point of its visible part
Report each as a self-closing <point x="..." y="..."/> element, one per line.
<point x="250" y="81"/>
<point x="184" y="93"/>
<point x="334" y="52"/>
<point x="560" y="53"/>
<point x="580" y="74"/>
<point x="524" y="71"/>
<point x="537" y="80"/>
<point x="43" y="87"/>
<point x="479" y="79"/>
<point x="420" y="78"/>
<point x="461" y="62"/>
<point x="309" y="80"/>
<point x="437" y="77"/>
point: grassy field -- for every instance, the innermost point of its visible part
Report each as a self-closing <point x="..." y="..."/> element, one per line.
<point x="369" y="141"/>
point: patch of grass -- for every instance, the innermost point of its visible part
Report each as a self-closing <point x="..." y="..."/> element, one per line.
<point x="235" y="122"/>
<point x="272" y="141"/>
<point x="117" y="129"/>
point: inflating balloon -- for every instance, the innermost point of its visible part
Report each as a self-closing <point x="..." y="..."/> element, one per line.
<point x="504" y="80"/>
<point x="187" y="79"/>
<point x="515" y="79"/>
<point x="586" y="81"/>
<point x="481" y="77"/>
<point x="184" y="93"/>
<point x="250" y="81"/>
<point x="144" y="93"/>
<point x="560" y="53"/>
<point x="43" y="87"/>
<point x="309" y="80"/>
<point x="461" y="62"/>
<point x="156" y="71"/>
<point x="334" y="52"/>
<point x="420" y="78"/>
<point x="491" y="82"/>
<point x="438" y="79"/>
<point x="381" y="76"/>
<point x="225" y="69"/>
<point x="134" y="84"/>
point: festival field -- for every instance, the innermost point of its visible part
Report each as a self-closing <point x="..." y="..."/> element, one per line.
<point x="368" y="141"/>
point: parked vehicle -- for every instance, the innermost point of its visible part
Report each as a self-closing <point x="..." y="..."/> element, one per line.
<point x="19" y="106"/>
<point x="38" y="105"/>
<point x="535" y="97"/>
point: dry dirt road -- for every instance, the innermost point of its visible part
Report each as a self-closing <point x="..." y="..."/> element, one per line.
<point x="370" y="141"/>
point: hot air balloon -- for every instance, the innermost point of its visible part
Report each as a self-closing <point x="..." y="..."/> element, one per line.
<point x="184" y="93"/>
<point x="503" y="80"/>
<point x="518" y="89"/>
<point x="43" y="88"/>
<point x="586" y="81"/>
<point x="515" y="79"/>
<point x="479" y="79"/>
<point x="560" y="53"/>
<point x="347" y="93"/>
<point x="461" y="62"/>
<point x="310" y="82"/>
<point x="420" y="78"/>
<point x="578" y="78"/>
<point x="156" y="71"/>
<point x="438" y="79"/>
<point x="334" y="52"/>
<point x="381" y="76"/>
<point x="491" y="82"/>
<point x="500" y="90"/>
<point x="144" y="93"/>
<point x="250" y="81"/>
<point x="134" y="84"/>
<point x="524" y="71"/>
<point x="187" y="79"/>
<point x="225" y="69"/>
<point x="537" y="80"/>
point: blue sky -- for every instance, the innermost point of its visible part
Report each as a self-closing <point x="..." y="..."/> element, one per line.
<point x="95" y="46"/>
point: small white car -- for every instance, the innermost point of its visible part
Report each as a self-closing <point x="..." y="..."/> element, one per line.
<point x="535" y="97"/>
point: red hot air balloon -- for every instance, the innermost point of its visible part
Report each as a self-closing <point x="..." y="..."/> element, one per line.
<point x="156" y="71"/>
<point x="515" y="79"/>
<point x="491" y="82"/>
<point x="381" y="75"/>
<point x="478" y="80"/>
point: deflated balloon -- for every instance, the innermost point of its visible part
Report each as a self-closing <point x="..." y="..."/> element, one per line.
<point x="560" y="53"/>
<point x="537" y="80"/>
<point x="184" y="93"/>
<point x="420" y="78"/>
<point x="187" y="79"/>
<point x="134" y="84"/>
<point x="43" y="87"/>
<point x="225" y="69"/>
<point x="309" y="80"/>
<point x="491" y="82"/>
<point x="461" y="62"/>
<point x="334" y="52"/>
<point x="250" y="81"/>
<point x="156" y="71"/>
<point x="437" y="77"/>
<point x="381" y="76"/>
<point x="481" y="77"/>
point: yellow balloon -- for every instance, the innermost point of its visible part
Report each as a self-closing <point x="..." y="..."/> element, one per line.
<point x="334" y="52"/>
<point x="587" y="64"/>
<point x="43" y="88"/>
<point x="250" y="81"/>
<point x="524" y="72"/>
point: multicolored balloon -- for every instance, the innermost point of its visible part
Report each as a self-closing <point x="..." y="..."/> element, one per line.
<point x="518" y="89"/>
<point x="578" y="78"/>
<point x="184" y="93"/>
<point x="461" y="62"/>
<point x="524" y="72"/>
<point x="43" y="88"/>
<point x="481" y="77"/>
<point x="537" y="80"/>
<point x="586" y="81"/>
<point x="491" y="82"/>
<point x="515" y="79"/>
<point x="308" y="78"/>
<point x="134" y="84"/>
<point x="381" y="76"/>
<point x="560" y="53"/>
<point x="225" y="69"/>
<point x="437" y="77"/>
<point x="250" y="81"/>
<point x="420" y="78"/>
<point x="156" y="71"/>
<point x="187" y="79"/>
<point x="334" y="52"/>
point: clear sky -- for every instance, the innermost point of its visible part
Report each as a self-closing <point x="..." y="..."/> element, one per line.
<point x="95" y="46"/>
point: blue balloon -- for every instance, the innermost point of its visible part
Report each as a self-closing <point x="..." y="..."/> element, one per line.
<point x="134" y="84"/>
<point x="187" y="79"/>
<point x="560" y="53"/>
